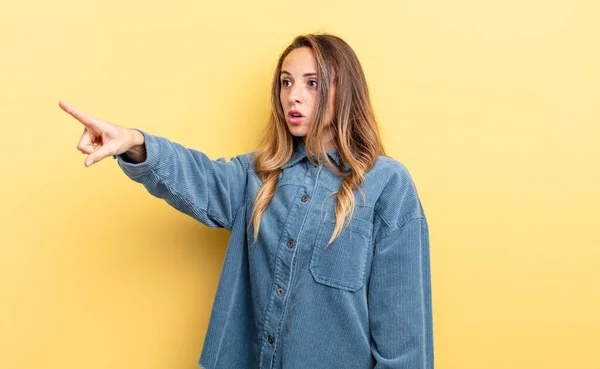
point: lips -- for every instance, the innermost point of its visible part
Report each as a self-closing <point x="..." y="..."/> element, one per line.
<point x="295" y="117"/>
<point x="295" y="114"/>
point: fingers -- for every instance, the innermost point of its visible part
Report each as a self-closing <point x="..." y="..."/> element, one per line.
<point x="93" y="141"/>
<point x="100" y="153"/>
<point x="79" y="115"/>
<point x="85" y="144"/>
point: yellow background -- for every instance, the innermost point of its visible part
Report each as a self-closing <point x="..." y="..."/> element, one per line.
<point x="492" y="105"/>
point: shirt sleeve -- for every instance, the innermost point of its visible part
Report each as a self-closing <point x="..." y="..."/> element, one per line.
<point x="399" y="298"/>
<point x="210" y="191"/>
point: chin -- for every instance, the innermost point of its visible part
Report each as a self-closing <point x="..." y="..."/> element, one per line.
<point x="298" y="131"/>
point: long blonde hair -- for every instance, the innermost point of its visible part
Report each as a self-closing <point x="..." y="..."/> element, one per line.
<point x="354" y="128"/>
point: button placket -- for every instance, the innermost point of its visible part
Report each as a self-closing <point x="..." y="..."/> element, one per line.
<point x="286" y="266"/>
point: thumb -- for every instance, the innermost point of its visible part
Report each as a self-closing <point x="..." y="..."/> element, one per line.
<point x="98" y="155"/>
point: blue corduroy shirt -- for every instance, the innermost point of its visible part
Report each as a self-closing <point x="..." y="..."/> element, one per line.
<point x="288" y="301"/>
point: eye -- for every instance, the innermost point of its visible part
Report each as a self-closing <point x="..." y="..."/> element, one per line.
<point x="313" y="83"/>
<point x="286" y="82"/>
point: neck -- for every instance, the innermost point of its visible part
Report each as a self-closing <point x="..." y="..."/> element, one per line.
<point x="328" y="141"/>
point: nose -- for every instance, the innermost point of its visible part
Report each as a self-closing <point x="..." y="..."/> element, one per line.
<point x="295" y="94"/>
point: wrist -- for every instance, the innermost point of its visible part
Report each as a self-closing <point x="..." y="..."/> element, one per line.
<point x="137" y="138"/>
<point x="136" y="153"/>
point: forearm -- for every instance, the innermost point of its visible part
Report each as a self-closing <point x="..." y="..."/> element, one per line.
<point x="400" y="298"/>
<point x="210" y="191"/>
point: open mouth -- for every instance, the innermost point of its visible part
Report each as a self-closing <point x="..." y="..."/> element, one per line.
<point x="295" y="117"/>
<point x="295" y="114"/>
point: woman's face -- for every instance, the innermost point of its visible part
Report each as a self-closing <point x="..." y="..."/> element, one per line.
<point x="298" y="94"/>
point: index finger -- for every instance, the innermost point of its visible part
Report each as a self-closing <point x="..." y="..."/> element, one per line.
<point x="78" y="114"/>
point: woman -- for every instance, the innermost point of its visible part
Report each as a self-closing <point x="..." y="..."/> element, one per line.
<point x="328" y="260"/>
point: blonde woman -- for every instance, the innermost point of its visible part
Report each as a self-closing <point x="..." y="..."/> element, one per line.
<point x="328" y="259"/>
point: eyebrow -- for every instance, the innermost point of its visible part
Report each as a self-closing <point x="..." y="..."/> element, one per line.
<point x="305" y="74"/>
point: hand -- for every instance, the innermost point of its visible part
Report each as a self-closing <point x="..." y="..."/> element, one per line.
<point x="101" y="139"/>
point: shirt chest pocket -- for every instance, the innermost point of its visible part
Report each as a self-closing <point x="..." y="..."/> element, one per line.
<point x="343" y="263"/>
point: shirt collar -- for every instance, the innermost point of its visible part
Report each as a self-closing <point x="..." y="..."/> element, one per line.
<point x="300" y="153"/>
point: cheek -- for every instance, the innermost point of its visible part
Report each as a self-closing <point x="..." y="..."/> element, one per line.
<point x="311" y="101"/>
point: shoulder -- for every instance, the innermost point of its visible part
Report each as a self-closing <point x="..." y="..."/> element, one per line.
<point x="398" y="200"/>
<point x="246" y="160"/>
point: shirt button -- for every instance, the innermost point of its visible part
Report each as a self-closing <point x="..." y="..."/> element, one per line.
<point x="304" y="198"/>
<point x="290" y="244"/>
<point x="271" y="339"/>
<point x="280" y="291"/>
